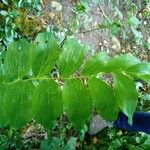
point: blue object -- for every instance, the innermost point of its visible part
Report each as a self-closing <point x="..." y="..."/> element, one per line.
<point x="141" y="122"/>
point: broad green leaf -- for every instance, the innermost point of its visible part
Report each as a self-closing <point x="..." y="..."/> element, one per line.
<point x="103" y="98"/>
<point x="3" y="121"/>
<point x="1" y="71"/>
<point x="17" y="106"/>
<point x="145" y="146"/>
<point x="126" y="95"/>
<point x="141" y="71"/>
<point x="95" y="64"/>
<point x="47" y="104"/>
<point x="71" y="57"/>
<point x="77" y="102"/>
<point x="44" y="53"/>
<point x="145" y="78"/>
<point x="16" y="63"/>
<point x="133" y="147"/>
<point x="121" y="62"/>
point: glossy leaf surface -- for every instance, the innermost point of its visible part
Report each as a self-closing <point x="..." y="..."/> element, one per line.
<point x="126" y="95"/>
<point x="47" y="103"/>
<point x="103" y="98"/>
<point x="71" y="57"/>
<point x="95" y="64"/>
<point x="17" y="62"/>
<point x="44" y="53"/>
<point x="141" y="71"/>
<point x="121" y="62"/>
<point x="17" y="106"/>
<point x="77" y="102"/>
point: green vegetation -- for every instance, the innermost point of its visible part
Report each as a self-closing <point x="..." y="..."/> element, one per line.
<point x="52" y="83"/>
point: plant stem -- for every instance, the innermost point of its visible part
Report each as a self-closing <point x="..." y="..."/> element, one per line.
<point x="105" y="14"/>
<point x="45" y="78"/>
<point x="49" y="136"/>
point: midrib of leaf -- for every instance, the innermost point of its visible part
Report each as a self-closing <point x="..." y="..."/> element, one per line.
<point x="44" y="78"/>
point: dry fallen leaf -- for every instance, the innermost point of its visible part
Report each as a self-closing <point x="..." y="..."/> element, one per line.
<point x="56" y="5"/>
<point x="95" y="140"/>
<point x="116" y="43"/>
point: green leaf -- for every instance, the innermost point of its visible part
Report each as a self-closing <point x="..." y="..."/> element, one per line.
<point x="103" y="98"/>
<point x="141" y="71"/>
<point x="126" y="95"/>
<point x="114" y="29"/>
<point x="133" y="21"/>
<point x="118" y="12"/>
<point x="17" y="106"/>
<point x="145" y="146"/>
<point x="145" y="97"/>
<point x="71" y="57"/>
<point x="45" y="145"/>
<point x="77" y="102"/>
<point x="136" y="33"/>
<point x="115" y="144"/>
<point x="3" y="13"/>
<point x="1" y="71"/>
<point x="3" y="121"/>
<point x="121" y="62"/>
<point x="97" y="1"/>
<point x="47" y="104"/>
<point x="145" y="78"/>
<point x="71" y="144"/>
<point x="44" y="53"/>
<point x="132" y="147"/>
<point x="5" y="2"/>
<point x="95" y="64"/>
<point x="17" y="62"/>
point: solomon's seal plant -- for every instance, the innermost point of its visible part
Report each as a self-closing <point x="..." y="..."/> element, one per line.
<point x="40" y="80"/>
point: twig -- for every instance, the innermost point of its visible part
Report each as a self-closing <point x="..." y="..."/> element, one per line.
<point x="87" y="31"/>
<point x="104" y="14"/>
<point x="95" y="29"/>
<point x="65" y="38"/>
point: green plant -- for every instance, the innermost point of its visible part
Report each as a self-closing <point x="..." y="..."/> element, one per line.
<point x="59" y="144"/>
<point x="126" y="20"/>
<point x="18" y="20"/>
<point x="40" y="79"/>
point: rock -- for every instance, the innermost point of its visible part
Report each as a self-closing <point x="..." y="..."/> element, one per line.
<point x="97" y="124"/>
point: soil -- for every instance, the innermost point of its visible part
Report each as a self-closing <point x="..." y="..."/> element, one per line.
<point x="101" y="39"/>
